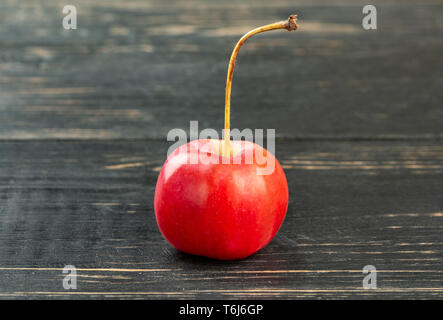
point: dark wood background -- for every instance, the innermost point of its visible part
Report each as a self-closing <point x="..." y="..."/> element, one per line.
<point x="84" y="116"/>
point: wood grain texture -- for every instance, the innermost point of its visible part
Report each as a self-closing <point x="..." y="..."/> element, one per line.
<point x="136" y="69"/>
<point x="352" y="204"/>
<point x="83" y="122"/>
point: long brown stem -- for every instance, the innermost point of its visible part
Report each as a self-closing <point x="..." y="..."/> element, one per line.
<point x="290" y="24"/>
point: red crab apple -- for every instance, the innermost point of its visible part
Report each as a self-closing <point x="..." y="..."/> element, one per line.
<point x="210" y="199"/>
<point x="219" y="210"/>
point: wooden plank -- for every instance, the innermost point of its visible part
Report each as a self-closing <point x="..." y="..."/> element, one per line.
<point x="365" y="172"/>
<point x="136" y="69"/>
<point x="90" y="204"/>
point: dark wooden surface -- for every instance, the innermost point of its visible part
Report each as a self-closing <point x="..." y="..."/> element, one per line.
<point x="83" y="122"/>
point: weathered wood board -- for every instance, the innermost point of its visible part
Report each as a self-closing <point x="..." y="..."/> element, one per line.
<point x="136" y="69"/>
<point x="84" y="116"/>
<point x="90" y="204"/>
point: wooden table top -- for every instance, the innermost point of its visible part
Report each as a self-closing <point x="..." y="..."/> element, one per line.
<point x="84" y="118"/>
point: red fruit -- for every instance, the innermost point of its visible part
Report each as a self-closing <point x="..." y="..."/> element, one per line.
<point x="221" y="211"/>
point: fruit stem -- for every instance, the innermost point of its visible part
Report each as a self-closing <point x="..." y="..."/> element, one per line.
<point x="290" y="24"/>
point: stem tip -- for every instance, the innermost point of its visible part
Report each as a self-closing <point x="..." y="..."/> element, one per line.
<point x="291" y="24"/>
